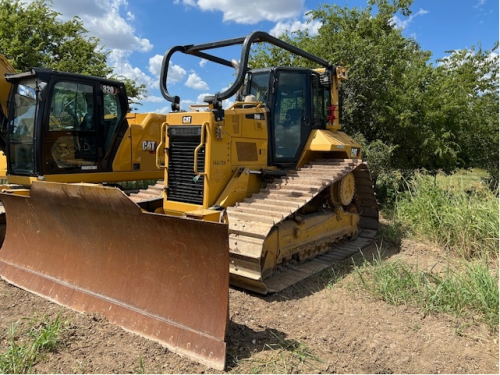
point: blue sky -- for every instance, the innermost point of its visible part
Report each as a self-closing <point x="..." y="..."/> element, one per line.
<point x="139" y="32"/>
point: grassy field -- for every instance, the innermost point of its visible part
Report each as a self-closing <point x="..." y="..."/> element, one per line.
<point x="464" y="290"/>
<point x="460" y="215"/>
<point x="457" y="212"/>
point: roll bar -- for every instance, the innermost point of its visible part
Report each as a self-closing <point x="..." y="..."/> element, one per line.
<point x="246" y="42"/>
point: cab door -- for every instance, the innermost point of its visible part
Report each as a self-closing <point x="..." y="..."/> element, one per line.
<point x="70" y="143"/>
<point x="291" y="119"/>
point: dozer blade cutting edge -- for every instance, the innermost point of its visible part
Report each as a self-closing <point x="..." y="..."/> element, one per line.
<point x="91" y="249"/>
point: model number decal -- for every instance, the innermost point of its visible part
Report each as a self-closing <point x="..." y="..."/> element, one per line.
<point x="149" y="146"/>
<point x="109" y="90"/>
<point x="186" y="119"/>
<point x="219" y="162"/>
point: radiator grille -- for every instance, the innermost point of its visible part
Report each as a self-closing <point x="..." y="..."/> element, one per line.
<point x="182" y="183"/>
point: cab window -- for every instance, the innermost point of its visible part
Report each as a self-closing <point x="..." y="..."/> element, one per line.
<point x="72" y="107"/>
<point x="112" y="115"/>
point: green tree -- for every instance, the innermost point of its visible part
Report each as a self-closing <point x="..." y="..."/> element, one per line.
<point x="135" y="92"/>
<point x="386" y="73"/>
<point x="31" y="35"/>
<point x="465" y="99"/>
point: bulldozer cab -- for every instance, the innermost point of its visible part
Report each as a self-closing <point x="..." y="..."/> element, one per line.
<point x="298" y="103"/>
<point x="62" y="123"/>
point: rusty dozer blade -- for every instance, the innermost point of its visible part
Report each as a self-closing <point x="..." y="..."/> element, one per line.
<point x="91" y="249"/>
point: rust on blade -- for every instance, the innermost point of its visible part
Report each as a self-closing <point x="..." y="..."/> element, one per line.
<point x="90" y="248"/>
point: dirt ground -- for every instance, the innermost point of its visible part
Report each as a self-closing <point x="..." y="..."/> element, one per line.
<point x="317" y="326"/>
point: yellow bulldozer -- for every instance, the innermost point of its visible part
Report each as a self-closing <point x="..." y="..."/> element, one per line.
<point x="65" y="127"/>
<point x="261" y="195"/>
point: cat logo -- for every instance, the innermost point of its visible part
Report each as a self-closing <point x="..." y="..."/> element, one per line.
<point x="186" y="119"/>
<point x="149" y="146"/>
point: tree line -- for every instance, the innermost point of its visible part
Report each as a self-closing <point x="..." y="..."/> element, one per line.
<point x="409" y="113"/>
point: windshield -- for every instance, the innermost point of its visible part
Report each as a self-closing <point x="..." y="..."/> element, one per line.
<point x="259" y="84"/>
<point x="21" y="128"/>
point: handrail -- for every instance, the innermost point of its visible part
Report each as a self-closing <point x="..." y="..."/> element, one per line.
<point x="241" y="67"/>
<point x="163" y="138"/>
<point x="202" y="143"/>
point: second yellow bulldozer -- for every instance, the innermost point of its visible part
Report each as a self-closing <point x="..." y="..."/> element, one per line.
<point x="58" y="126"/>
<point x="261" y="194"/>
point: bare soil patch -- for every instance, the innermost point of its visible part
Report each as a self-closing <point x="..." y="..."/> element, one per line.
<point x="316" y="326"/>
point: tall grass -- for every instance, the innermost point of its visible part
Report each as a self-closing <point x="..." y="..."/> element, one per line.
<point x="467" y="288"/>
<point x="464" y="220"/>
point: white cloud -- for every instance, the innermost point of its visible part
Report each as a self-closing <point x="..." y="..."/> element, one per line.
<point x="103" y="20"/>
<point x="155" y="64"/>
<point x="312" y="26"/>
<point x="250" y="12"/>
<point x="112" y="22"/>
<point x="480" y="3"/>
<point x="403" y="24"/>
<point x="119" y="61"/>
<point x="195" y="82"/>
<point x="203" y="62"/>
<point x="190" y="3"/>
<point x="175" y="72"/>
<point x="153" y="99"/>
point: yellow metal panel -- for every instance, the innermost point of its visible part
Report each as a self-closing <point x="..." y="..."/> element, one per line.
<point x="139" y="143"/>
<point x="21" y="180"/>
<point x="3" y="165"/>
<point x="176" y="208"/>
<point x="123" y="158"/>
<point x="205" y="215"/>
<point x="327" y="143"/>
<point x="236" y="189"/>
<point x="102" y="177"/>
<point x="326" y="140"/>
<point x="145" y="132"/>
<point x="218" y="161"/>
<point x="90" y="177"/>
<point x="255" y="127"/>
